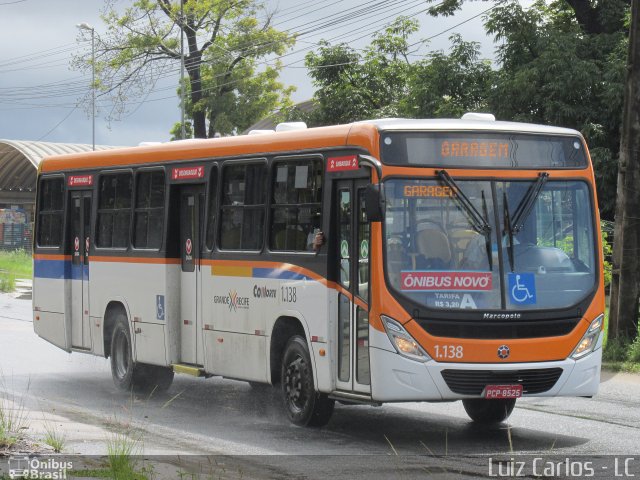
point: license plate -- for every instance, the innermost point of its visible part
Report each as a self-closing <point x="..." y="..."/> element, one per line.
<point x="503" y="391"/>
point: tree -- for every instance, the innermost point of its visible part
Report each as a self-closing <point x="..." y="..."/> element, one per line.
<point x="552" y="73"/>
<point x="353" y="86"/>
<point x="625" y="279"/>
<point x="593" y="16"/>
<point x="447" y="86"/>
<point x="224" y="40"/>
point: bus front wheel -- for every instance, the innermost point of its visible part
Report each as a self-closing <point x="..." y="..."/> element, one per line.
<point x="304" y="406"/>
<point x="128" y="375"/>
<point x="489" y="411"/>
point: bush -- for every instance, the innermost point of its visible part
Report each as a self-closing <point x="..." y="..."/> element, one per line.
<point x="633" y="351"/>
<point x="615" y="350"/>
<point x="7" y="282"/>
<point x="607" y="250"/>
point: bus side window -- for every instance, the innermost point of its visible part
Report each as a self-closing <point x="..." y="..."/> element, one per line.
<point x="296" y="204"/>
<point x="51" y="213"/>
<point x="243" y="206"/>
<point x="213" y="207"/>
<point x="149" y="213"/>
<point x="114" y="210"/>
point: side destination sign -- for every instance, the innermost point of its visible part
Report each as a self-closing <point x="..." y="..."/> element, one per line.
<point x="338" y="164"/>
<point x="80" y="180"/>
<point x="187" y="173"/>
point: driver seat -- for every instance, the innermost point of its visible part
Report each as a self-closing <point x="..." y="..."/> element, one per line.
<point x="433" y="245"/>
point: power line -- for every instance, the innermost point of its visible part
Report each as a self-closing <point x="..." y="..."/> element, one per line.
<point x="78" y="87"/>
<point x="68" y="88"/>
<point x="57" y="125"/>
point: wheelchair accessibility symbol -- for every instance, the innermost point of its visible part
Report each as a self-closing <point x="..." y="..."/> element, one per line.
<point x="522" y="288"/>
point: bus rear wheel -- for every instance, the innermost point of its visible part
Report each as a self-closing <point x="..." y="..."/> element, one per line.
<point x="304" y="406"/>
<point x="489" y="412"/>
<point x="128" y="375"/>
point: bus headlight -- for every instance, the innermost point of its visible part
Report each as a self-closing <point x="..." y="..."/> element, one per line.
<point x="590" y="339"/>
<point x="403" y="341"/>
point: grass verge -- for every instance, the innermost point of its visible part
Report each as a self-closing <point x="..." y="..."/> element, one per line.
<point x="7" y="282"/>
<point x="619" y="354"/>
<point x="16" y="262"/>
<point x="13" y="421"/>
<point x="54" y="438"/>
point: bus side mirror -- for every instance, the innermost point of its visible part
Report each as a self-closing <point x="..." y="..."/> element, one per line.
<point x="374" y="203"/>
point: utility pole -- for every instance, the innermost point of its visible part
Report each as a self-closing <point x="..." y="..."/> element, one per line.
<point x="625" y="281"/>
<point x="89" y="28"/>
<point x="182" y="129"/>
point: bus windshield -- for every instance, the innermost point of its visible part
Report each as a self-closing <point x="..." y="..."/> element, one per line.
<point x="440" y="255"/>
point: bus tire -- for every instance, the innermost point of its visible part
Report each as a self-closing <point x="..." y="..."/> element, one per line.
<point x="487" y="412"/>
<point x="122" y="366"/>
<point x="129" y="375"/>
<point x="304" y="406"/>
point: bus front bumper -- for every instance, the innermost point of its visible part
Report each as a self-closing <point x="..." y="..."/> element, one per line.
<point x="396" y="378"/>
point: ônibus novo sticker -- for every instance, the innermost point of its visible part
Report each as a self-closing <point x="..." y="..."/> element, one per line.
<point x="446" y="281"/>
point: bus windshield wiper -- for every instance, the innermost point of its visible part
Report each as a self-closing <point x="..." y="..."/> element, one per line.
<point x="478" y="220"/>
<point x="525" y="206"/>
<point x="508" y="230"/>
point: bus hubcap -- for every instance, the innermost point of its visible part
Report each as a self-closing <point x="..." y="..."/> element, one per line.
<point x="294" y="383"/>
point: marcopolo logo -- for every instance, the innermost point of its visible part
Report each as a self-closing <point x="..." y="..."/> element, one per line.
<point x="263" y="292"/>
<point x="232" y="300"/>
<point x="503" y="351"/>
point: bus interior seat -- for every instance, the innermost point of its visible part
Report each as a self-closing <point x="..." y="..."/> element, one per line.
<point x="460" y="237"/>
<point x="433" y="245"/>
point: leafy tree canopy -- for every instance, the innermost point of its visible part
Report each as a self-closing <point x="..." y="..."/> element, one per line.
<point x="225" y="41"/>
<point x="352" y="85"/>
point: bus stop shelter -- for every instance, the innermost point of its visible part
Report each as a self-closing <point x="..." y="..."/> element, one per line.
<point x="19" y="162"/>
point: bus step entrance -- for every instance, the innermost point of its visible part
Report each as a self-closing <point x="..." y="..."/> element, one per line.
<point x="188" y="369"/>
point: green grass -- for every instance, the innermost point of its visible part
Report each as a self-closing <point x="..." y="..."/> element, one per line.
<point x="13" y="421"/>
<point x="620" y="355"/>
<point x="17" y="263"/>
<point x="121" y="450"/>
<point x="7" y="282"/>
<point x="54" y="438"/>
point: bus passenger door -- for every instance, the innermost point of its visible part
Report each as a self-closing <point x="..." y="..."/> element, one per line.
<point x="191" y="227"/>
<point x="80" y="228"/>
<point x="352" y="230"/>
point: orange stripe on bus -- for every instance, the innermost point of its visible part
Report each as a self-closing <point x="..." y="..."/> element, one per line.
<point x="47" y="256"/>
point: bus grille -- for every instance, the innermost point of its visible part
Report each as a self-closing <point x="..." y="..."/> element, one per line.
<point x="499" y="330"/>
<point x="473" y="382"/>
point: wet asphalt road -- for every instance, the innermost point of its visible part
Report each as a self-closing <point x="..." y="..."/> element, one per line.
<point x="224" y="417"/>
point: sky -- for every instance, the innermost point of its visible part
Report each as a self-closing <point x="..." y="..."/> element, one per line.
<point x="41" y="98"/>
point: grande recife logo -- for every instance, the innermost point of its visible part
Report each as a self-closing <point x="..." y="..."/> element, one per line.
<point x="446" y="281"/>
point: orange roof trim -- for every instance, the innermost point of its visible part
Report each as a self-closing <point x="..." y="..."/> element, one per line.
<point x="362" y="135"/>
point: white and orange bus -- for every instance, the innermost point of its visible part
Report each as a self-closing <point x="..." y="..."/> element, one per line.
<point x="381" y="261"/>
